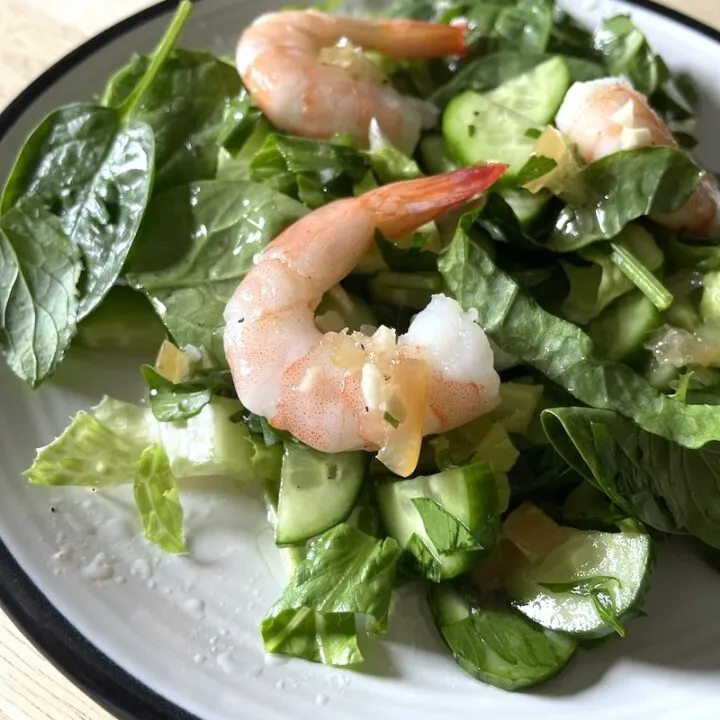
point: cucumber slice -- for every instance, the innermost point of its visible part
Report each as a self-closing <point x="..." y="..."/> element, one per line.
<point x="536" y="94"/>
<point x="620" y="331"/>
<point x="527" y="206"/>
<point x="435" y="156"/>
<point x="478" y="130"/>
<point x="463" y="499"/>
<point x="495" y="645"/>
<point x="618" y="563"/>
<point x="317" y="491"/>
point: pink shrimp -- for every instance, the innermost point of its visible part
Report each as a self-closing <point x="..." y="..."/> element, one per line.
<point x="607" y="115"/>
<point x="283" y="61"/>
<point x="343" y="391"/>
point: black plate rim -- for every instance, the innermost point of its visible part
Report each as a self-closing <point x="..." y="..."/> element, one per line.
<point x="41" y="623"/>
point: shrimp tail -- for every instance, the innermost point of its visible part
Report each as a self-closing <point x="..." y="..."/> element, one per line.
<point x="402" y="207"/>
<point x="416" y="40"/>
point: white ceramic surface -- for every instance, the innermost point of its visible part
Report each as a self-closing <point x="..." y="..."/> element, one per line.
<point x="188" y="627"/>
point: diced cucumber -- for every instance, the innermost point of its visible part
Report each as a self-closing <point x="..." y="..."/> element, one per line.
<point x="317" y="491"/>
<point x="210" y="443"/>
<point x="536" y="94"/>
<point x="710" y="302"/>
<point x="622" y="328"/>
<point x="494" y="644"/>
<point x="435" y="155"/>
<point x="478" y="130"/>
<point x="560" y="591"/>
<point x="527" y="206"/>
<point x="416" y="513"/>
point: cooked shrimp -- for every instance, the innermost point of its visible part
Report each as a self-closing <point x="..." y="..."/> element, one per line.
<point x="341" y="391"/>
<point x="283" y="61"/>
<point x="605" y="116"/>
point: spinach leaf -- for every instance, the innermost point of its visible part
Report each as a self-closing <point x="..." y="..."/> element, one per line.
<point x="196" y="244"/>
<point x="447" y="534"/>
<point x="195" y="104"/>
<point x="562" y="351"/>
<point x="313" y="171"/>
<point x="158" y="501"/>
<point x="345" y="573"/>
<point x="666" y="486"/>
<point x="527" y="25"/>
<point x="627" y="52"/>
<point x="622" y="187"/>
<point x="171" y="401"/>
<point x="92" y="166"/>
<point x="39" y="270"/>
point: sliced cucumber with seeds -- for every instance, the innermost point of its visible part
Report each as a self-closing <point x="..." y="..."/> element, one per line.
<point x="478" y="130"/>
<point x="494" y="644"/>
<point x="317" y="491"/>
<point x="443" y="521"/>
<point x="586" y="587"/>
<point x="536" y="94"/>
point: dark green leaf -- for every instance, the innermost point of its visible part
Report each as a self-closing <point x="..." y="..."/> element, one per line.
<point x="179" y="401"/>
<point x="535" y="168"/>
<point x="627" y="52"/>
<point x="196" y="244"/>
<point x="621" y="188"/>
<point x="195" y="104"/>
<point x="447" y="534"/>
<point x="345" y="573"/>
<point x="314" y="172"/>
<point x="39" y="270"/>
<point x="93" y="170"/>
<point x="666" y="486"/>
<point x="562" y="351"/>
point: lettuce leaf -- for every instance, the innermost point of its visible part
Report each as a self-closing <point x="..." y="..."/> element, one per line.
<point x="562" y="351"/>
<point x="158" y="501"/>
<point x="345" y="573"/>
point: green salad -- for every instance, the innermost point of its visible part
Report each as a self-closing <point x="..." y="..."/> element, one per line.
<point x="128" y="221"/>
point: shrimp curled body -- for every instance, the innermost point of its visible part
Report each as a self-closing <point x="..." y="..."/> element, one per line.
<point x="607" y="115"/>
<point x="280" y="60"/>
<point x="341" y="391"/>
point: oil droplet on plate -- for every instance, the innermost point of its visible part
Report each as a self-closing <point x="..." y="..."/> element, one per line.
<point x="98" y="568"/>
<point x="194" y="607"/>
<point x="321" y="699"/>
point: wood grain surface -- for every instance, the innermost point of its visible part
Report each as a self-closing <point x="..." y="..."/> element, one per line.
<point x="33" y="35"/>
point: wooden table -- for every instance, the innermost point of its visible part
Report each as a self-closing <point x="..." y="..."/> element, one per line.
<point x="33" y="35"/>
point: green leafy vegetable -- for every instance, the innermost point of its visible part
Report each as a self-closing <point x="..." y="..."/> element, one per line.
<point x="667" y="486"/>
<point x="621" y="188"/>
<point x="194" y="105"/>
<point x="496" y="645"/>
<point x="158" y="501"/>
<point x="627" y="52"/>
<point x="447" y="534"/>
<point x="598" y="590"/>
<point x="312" y="171"/>
<point x="171" y="401"/>
<point x="197" y="242"/>
<point x="99" y="448"/>
<point x="39" y="270"/>
<point x="562" y="351"/>
<point x="345" y="573"/>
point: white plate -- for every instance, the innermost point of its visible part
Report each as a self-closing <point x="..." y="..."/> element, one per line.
<point x="188" y="627"/>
